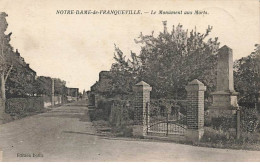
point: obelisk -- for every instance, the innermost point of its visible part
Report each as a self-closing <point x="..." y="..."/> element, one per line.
<point x="225" y="97"/>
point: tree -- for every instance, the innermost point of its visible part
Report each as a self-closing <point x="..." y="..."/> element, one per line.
<point x="124" y="72"/>
<point x="43" y="85"/>
<point x="172" y="59"/>
<point x="169" y="61"/>
<point x="5" y="61"/>
<point x="247" y="77"/>
<point x="59" y="87"/>
<point x="21" y="80"/>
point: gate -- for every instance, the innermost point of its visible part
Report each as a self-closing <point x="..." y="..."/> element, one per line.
<point x="166" y="117"/>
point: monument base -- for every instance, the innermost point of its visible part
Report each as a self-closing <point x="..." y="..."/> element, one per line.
<point x="225" y="99"/>
<point x="224" y="104"/>
<point x="214" y="113"/>
<point x="221" y="112"/>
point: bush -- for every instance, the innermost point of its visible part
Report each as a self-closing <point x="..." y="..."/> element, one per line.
<point x="224" y="123"/>
<point x="119" y="114"/>
<point x="122" y="113"/>
<point x="249" y="120"/>
<point x="102" y="112"/>
<point x="21" y="106"/>
<point x="219" y="138"/>
<point x="97" y="114"/>
<point x="251" y="138"/>
<point x="222" y="131"/>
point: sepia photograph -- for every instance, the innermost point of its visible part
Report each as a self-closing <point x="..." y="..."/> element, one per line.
<point x="129" y="81"/>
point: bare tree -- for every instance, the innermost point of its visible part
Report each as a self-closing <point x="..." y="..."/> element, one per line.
<point x="5" y="62"/>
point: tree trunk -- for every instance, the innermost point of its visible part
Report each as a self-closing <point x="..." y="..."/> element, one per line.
<point x="2" y="99"/>
<point x="3" y="87"/>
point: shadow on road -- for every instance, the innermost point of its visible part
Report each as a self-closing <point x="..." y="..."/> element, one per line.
<point x="62" y="115"/>
<point x="102" y="136"/>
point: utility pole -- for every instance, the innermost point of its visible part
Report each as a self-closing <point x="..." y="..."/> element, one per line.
<point x="258" y="104"/>
<point x="77" y="91"/>
<point x="52" y="93"/>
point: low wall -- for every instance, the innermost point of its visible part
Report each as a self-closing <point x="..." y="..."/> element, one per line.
<point x="70" y="98"/>
<point x="47" y="101"/>
<point x="47" y="104"/>
<point x="57" y="100"/>
<point x="22" y="105"/>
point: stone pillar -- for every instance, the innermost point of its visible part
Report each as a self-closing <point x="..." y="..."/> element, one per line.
<point x="225" y="97"/>
<point x="195" y="112"/>
<point x="60" y="99"/>
<point x="142" y="99"/>
<point x="77" y="91"/>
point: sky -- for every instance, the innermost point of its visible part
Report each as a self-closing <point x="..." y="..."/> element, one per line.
<point x="75" y="48"/>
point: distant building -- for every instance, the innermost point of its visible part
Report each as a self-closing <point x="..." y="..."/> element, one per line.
<point x="72" y="94"/>
<point x="100" y="89"/>
<point x="21" y="79"/>
<point x="104" y="82"/>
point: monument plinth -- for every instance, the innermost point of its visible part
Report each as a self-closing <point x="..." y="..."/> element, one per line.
<point x="225" y="97"/>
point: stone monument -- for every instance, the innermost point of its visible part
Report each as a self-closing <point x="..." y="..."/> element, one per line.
<point x="225" y="97"/>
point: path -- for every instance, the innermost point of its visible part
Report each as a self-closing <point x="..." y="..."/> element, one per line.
<point x="62" y="135"/>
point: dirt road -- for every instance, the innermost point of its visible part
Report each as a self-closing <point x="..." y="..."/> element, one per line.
<point x="62" y="135"/>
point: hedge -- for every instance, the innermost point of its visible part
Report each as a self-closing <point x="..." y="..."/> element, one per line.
<point x="19" y="106"/>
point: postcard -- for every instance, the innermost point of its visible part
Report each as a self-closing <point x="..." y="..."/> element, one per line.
<point x="129" y="81"/>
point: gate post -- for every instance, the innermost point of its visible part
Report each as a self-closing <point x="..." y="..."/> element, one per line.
<point x="141" y="115"/>
<point x="195" y="112"/>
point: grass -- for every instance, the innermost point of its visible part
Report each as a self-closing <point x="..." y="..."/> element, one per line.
<point x="11" y="117"/>
<point x="219" y="139"/>
<point x="104" y="127"/>
<point x="212" y="138"/>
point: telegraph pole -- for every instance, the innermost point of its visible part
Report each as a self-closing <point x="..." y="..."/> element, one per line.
<point x="258" y="102"/>
<point x="52" y="93"/>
